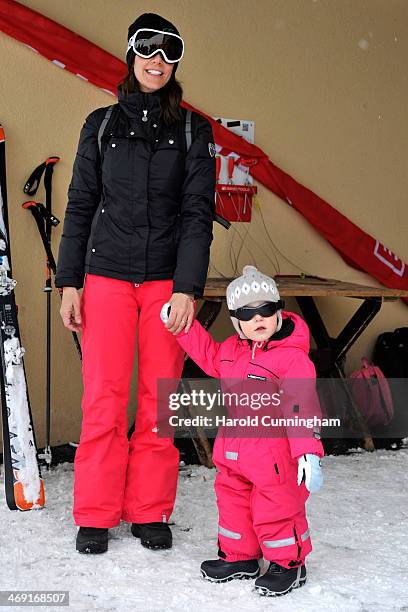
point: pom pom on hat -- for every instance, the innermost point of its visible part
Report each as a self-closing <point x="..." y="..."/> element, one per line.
<point x="247" y="270"/>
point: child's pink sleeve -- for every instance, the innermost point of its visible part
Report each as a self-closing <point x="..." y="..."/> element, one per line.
<point x="202" y="348"/>
<point x="300" y="399"/>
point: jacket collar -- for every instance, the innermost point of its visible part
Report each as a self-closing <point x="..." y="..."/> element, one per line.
<point x="135" y="102"/>
<point x="286" y="330"/>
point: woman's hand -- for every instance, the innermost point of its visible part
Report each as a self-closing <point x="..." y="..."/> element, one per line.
<point x="70" y="310"/>
<point x="181" y="313"/>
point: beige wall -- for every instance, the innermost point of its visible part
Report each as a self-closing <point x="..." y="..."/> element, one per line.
<point x="330" y="113"/>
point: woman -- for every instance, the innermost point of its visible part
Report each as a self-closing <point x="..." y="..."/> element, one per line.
<point x="139" y="224"/>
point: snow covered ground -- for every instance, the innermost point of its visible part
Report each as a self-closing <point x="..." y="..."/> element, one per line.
<point x="359" y="524"/>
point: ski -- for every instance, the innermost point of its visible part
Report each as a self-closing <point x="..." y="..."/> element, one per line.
<point x="23" y="483"/>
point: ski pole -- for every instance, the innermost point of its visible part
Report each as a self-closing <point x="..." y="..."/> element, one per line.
<point x="31" y="187"/>
<point x="39" y="213"/>
<point x="33" y="182"/>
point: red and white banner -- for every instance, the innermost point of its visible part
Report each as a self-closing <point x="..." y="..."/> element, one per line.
<point x="91" y="63"/>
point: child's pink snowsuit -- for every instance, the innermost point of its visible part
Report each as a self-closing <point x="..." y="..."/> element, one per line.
<point x="261" y="507"/>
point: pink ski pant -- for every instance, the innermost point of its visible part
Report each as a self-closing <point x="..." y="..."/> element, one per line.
<point x="115" y="479"/>
<point x="261" y="507"/>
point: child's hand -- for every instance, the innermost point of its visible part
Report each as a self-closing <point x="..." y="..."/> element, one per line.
<point x="310" y="470"/>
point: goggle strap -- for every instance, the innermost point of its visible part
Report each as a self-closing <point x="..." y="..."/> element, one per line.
<point x="280" y="304"/>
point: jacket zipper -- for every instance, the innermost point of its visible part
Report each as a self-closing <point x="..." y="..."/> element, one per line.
<point x="144" y="118"/>
<point x="147" y="189"/>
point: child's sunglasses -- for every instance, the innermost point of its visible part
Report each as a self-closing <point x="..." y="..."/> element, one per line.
<point x="265" y="310"/>
<point x="147" y="42"/>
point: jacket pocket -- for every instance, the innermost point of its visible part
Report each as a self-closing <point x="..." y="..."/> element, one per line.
<point x="266" y="371"/>
<point x="94" y="225"/>
<point x="167" y="166"/>
<point x="277" y="468"/>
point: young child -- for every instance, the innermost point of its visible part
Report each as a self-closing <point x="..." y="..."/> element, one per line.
<point x="262" y="483"/>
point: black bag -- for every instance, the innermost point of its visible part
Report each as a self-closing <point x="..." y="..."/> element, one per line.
<point x="391" y="356"/>
<point x="391" y="353"/>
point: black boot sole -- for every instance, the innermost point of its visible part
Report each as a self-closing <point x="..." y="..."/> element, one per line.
<point x="92" y="548"/>
<point x="155" y="546"/>
<point x="236" y="576"/>
<point x="265" y="592"/>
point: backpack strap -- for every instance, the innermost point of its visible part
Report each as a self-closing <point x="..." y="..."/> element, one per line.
<point x="222" y="221"/>
<point x="188" y="129"/>
<point x="103" y="125"/>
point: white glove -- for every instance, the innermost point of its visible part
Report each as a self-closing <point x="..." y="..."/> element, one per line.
<point x="310" y="469"/>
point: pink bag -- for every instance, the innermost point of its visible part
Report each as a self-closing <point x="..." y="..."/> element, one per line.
<point x="372" y="394"/>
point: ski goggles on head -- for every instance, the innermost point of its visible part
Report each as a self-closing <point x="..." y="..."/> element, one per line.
<point x="265" y="310"/>
<point x="147" y="42"/>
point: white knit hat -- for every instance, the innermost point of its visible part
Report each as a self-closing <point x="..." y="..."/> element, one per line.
<point x="252" y="286"/>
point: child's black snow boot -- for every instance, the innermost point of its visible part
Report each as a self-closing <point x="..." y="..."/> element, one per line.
<point x="279" y="580"/>
<point x="92" y="540"/>
<point x="218" y="570"/>
<point x="155" y="536"/>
